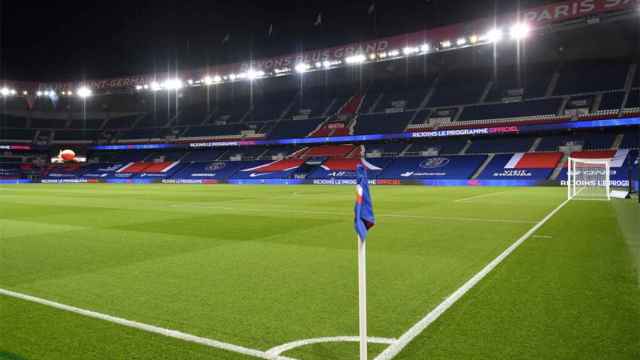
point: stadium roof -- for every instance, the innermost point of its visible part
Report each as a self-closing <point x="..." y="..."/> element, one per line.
<point x="125" y="39"/>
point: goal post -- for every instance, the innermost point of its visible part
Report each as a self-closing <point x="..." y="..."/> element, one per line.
<point x="589" y="179"/>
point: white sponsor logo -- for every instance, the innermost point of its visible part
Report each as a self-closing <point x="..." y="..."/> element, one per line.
<point x="255" y="175"/>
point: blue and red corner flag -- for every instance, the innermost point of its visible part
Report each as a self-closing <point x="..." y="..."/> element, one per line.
<point x="364" y="218"/>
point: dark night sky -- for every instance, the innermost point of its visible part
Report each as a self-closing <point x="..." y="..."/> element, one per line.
<point x="63" y="40"/>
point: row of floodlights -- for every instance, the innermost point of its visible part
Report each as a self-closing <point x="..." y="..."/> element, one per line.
<point x="517" y="32"/>
<point x="82" y="92"/>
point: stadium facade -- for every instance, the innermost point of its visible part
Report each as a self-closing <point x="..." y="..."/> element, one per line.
<point x="489" y="102"/>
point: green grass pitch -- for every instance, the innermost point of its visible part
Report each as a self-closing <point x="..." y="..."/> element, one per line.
<point x="261" y="266"/>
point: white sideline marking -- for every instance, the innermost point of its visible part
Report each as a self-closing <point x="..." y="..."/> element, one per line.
<point x="401" y="216"/>
<point x="543" y="236"/>
<point x="276" y="351"/>
<point x="145" y="327"/>
<point x="395" y="348"/>
<point x="481" y="196"/>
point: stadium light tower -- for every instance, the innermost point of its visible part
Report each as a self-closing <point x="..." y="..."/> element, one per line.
<point x="84" y="92"/>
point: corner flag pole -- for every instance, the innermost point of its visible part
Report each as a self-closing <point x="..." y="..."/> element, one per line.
<point x="362" y="295"/>
<point x="364" y="220"/>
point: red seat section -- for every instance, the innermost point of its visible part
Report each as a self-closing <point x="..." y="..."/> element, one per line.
<point x="158" y="167"/>
<point x="353" y="105"/>
<point x="281" y="165"/>
<point x="539" y="161"/>
<point x="346" y="164"/>
<point x="329" y="151"/>
<point x="134" y="168"/>
<point x="141" y="167"/>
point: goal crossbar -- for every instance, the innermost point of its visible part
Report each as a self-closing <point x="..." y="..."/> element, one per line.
<point x="589" y="179"/>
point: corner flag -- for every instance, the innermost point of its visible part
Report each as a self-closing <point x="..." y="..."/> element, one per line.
<point x="364" y="218"/>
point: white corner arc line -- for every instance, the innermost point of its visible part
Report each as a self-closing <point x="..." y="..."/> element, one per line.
<point x="395" y="348"/>
<point x="145" y="327"/>
<point x="276" y="351"/>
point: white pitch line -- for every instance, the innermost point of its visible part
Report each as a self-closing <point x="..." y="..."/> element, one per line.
<point x="276" y="351"/>
<point x="543" y="236"/>
<point x="145" y="327"/>
<point x="404" y="340"/>
<point x="400" y="216"/>
<point x="481" y="196"/>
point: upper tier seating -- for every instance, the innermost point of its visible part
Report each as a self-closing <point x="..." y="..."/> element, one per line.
<point x="75" y="135"/>
<point x="120" y="123"/>
<point x="588" y="77"/>
<point x="612" y="100"/>
<point x="294" y="128"/>
<point x="459" y="88"/>
<point x="10" y="121"/>
<point x="534" y="81"/>
<point x="48" y="123"/>
<point x="512" y="110"/>
<point x="382" y="123"/>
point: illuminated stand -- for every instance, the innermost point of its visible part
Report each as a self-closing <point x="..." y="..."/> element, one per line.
<point x="589" y="179"/>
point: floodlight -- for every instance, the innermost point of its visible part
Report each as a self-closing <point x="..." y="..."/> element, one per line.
<point x="446" y="44"/>
<point x="25" y="93"/>
<point x="473" y="39"/>
<point x="382" y="55"/>
<point x="425" y="48"/>
<point x="83" y="92"/>
<point x="232" y="77"/>
<point x="138" y="87"/>
<point x="301" y="68"/>
<point x="326" y="64"/>
<point x="494" y="35"/>
<point x="71" y="92"/>
<point x="5" y="91"/>
<point x="38" y="93"/>
<point x="409" y="50"/>
<point x="461" y="41"/>
<point x="520" y="31"/>
<point x="173" y="84"/>
<point x="356" y="59"/>
<point x="254" y="74"/>
<point x="394" y="53"/>
<point x="155" y="86"/>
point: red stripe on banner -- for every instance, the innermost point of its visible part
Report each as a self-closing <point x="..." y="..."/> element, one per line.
<point x="539" y="161"/>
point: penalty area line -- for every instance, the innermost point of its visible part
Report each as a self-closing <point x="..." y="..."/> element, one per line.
<point x="394" y="349"/>
<point x="146" y="327"/>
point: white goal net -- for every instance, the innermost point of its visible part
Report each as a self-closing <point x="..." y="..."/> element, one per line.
<point x="589" y="179"/>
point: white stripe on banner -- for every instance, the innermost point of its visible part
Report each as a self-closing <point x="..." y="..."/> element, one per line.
<point x="125" y="167"/>
<point x="515" y="159"/>
<point x="166" y="170"/>
<point x="619" y="158"/>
